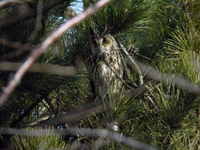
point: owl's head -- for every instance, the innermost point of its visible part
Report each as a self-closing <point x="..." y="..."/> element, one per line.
<point x="101" y="42"/>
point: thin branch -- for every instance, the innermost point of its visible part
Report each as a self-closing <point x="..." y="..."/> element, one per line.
<point x="81" y="131"/>
<point x="43" y="47"/>
<point x="41" y="68"/>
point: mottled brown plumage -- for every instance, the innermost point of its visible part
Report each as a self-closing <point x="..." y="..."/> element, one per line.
<point x="104" y="49"/>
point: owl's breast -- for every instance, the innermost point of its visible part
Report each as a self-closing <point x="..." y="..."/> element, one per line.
<point x="104" y="79"/>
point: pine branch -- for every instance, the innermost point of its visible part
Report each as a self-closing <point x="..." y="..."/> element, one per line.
<point x="43" y="47"/>
<point x="41" y="68"/>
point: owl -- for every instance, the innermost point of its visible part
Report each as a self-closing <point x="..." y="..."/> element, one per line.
<point x="104" y="50"/>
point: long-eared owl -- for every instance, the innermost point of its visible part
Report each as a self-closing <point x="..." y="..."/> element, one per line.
<point x="104" y="48"/>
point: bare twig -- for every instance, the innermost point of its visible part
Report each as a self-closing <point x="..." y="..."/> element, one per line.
<point x="81" y="131"/>
<point x="43" y="47"/>
<point x="41" y="68"/>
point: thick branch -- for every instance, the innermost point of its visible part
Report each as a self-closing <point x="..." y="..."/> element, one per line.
<point x="16" y="16"/>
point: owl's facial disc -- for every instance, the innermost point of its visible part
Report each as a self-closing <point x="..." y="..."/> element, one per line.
<point x="100" y="45"/>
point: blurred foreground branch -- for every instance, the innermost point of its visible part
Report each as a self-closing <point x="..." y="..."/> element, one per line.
<point x="43" y="47"/>
<point x="41" y="68"/>
<point x="169" y="78"/>
<point x="78" y="131"/>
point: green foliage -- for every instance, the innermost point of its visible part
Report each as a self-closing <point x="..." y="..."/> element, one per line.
<point x="186" y="138"/>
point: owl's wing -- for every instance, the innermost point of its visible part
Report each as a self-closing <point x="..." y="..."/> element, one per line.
<point x="92" y="87"/>
<point x="90" y="66"/>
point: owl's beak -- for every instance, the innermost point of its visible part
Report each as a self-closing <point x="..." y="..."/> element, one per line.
<point x="100" y="49"/>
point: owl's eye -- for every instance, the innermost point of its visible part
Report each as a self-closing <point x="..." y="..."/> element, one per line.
<point x="104" y="43"/>
<point x="95" y="44"/>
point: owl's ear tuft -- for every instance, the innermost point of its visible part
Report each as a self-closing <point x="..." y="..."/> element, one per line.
<point x="92" y="31"/>
<point x="107" y="30"/>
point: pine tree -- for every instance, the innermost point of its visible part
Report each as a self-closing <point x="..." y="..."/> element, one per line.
<point x="166" y="35"/>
